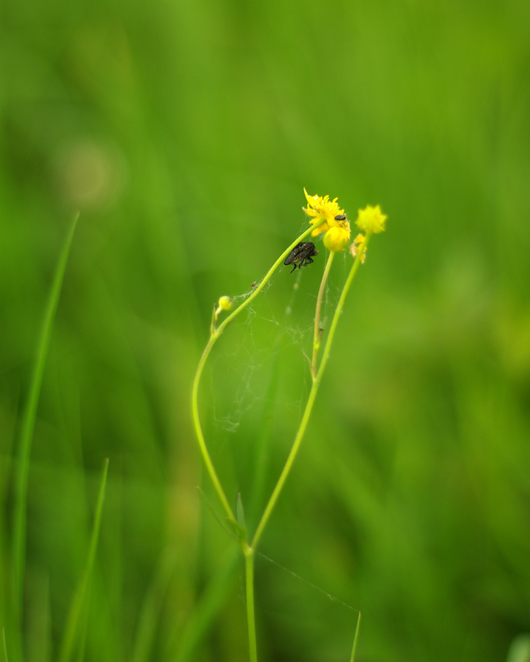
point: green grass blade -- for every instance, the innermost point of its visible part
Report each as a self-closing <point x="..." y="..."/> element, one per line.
<point x="208" y="607"/>
<point x="355" y="639"/>
<point x="28" y="427"/>
<point x="6" y="659"/>
<point x="152" y="608"/>
<point x="77" y="620"/>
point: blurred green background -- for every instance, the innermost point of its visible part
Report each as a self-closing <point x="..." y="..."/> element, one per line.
<point x="185" y="132"/>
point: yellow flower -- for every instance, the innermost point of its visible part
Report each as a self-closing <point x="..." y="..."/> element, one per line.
<point x="225" y="303"/>
<point x="356" y="246"/>
<point x="319" y="209"/>
<point x="336" y="238"/>
<point x="371" y="219"/>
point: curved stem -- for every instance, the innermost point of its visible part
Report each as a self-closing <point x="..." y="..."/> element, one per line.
<point x="269" y="273"/>
<point x="198" y="431"/>
<point x="248" y="550"/>
<point x="214" y="334"/>
<point x="310" y="401"/>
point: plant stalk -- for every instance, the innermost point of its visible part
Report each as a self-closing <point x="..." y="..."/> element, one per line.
<point x="310" y="401"/>
<point x="318" y="333"/>
<point x="251" y="618"/>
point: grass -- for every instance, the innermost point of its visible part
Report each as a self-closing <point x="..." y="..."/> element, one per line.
<point x="185" y="134"/>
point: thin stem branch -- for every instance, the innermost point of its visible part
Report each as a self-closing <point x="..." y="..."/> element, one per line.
<point x="200" y="437"/>
<point x="310" y="401"/>
<point x="215" y="332"/>
<point x="340" y="305"/>
<point x="288" y="464"/>
<point x="318" y="334"/>
<point x="262" y="284"/>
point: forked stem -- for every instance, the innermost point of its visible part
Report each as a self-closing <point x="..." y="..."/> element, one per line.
<point x="249" y="549"/>
<point x="310" y="401"/>
<point x="318" y="331"/>
<point x="215" y="332"/>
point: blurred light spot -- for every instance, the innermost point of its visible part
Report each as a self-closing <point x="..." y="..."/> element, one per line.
<point x="91" y="174"/>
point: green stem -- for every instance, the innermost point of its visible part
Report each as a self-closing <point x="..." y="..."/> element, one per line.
<point x="310" y="401"/>
<point x="317" y="334"/>
<point x="214" y="335"/>
<point x="288" y="464"/>
<point x="251" y="619"/>
<point x="262" y="284"/>
<point x="340" y="305"/>
<point x="215" y="332"/>
<point x="200" y="437"/>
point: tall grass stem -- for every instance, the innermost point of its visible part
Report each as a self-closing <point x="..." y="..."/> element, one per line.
<point x="355" y="638"/>
<point x="28" y="428"/>
<point x="78" y="618"/>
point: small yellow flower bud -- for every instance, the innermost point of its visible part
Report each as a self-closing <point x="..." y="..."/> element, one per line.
<point x="225" y="303"/>
<point x="336" y="238"/>
<point x="371" y="219"/>
<point x="356" y="246"/>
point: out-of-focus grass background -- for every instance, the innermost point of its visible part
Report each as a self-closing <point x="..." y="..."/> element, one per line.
<point x="185" y="133"/>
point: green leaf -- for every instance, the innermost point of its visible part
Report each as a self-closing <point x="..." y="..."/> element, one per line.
<point x="519" y="649"/>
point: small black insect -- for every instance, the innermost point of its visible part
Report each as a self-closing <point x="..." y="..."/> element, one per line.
<point x="301" y="255"/>
<point x="340" y="217"/>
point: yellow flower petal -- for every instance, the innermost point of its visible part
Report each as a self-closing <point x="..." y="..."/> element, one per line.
<point x="356" y="246"/>
<point x="336" y="238"/>
<point x="371" y="219"/>
<point x="323" y="211"/>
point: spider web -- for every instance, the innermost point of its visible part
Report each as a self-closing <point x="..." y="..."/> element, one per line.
<point x="255" y="389"/>
<point x="257" y="378"/>
<point x="304" y="619"/>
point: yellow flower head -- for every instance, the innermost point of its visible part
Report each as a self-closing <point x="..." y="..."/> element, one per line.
<point x="336" y="226"/>
<point x="371" y="219"/>
<point x="319" y="209"/>
<point x="225" y="303"/>
<point x="356" y="246"/>
<point x="336" y="238"/>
